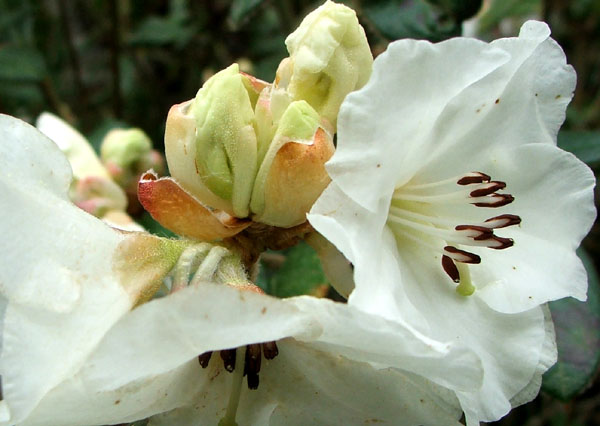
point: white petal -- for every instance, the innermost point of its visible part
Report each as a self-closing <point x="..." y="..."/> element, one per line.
<point x="384" y="127"/>
<point x="73" y="144"/>
<point x="59" y="287"/>
<point x="165" y="333"/>
<point x="360" y="336"/>
<point x="509" y="345"/>
<point x="357" y="233"/>
<point x="548" y="358"/>
<point x="522" y="102"/>
<point x="430" y="109"/>
<point x="305" y="386"/>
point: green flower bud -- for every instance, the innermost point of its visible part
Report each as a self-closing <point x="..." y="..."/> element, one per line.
<point x="330" y="57"/>
<point x="211" y="142"/>
<point x="232" y="150"/>
<point x="122" y="151"/>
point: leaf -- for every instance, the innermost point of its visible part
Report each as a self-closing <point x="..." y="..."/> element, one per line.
<point x="576" y="324"/>
<point x="300" y="273"/>
<point x="584" y="144"/>
<point x="241" y="10"/>
<point x="21" y="64"/>
<point x="397" y="19"/>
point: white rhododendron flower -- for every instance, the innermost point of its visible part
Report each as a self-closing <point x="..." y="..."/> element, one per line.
<point x="458" y="211"/>
<point x="74" y="350"/>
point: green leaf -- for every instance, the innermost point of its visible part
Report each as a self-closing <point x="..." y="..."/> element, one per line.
<point x="397" y="19"/>
<point x="241" y="10"/>
<point x="585" y="145"/>
<point x="300" y="273"/>
<point x="21" y="64"/>
<point x="576" y="324"/>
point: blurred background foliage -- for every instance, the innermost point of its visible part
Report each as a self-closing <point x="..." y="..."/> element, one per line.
<point x="105" y="64"/>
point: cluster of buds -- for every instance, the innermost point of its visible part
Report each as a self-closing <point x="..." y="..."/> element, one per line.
<point x="244" y="150"/>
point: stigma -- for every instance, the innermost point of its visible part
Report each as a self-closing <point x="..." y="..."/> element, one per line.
<point x="425" y="213"/>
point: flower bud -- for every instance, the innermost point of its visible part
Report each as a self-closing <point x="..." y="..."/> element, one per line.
<point x="127" y="153"/>
<point x="239" y="149"/>
<point x="292" y="174"/>
<point x="329" y="58"/>
<point x="210" y="142"/>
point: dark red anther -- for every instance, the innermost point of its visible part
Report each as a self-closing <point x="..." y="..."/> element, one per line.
<point x="484" y="233"/>
<point x="204" y="359"/>
<point x="466" y="256"/>
<point x="489" y="189"/>
<point x="502" y="243"/>
<point x="450" y="268"/>
<point x="478" y="178"/>
<point x="253" y="358"/>
<point x="499" y="201"/>
<point x="505" y="220"/>
<point x="252" y="365"/>
<point x="270" y="350"/>
<point x="228" y="357"/>
<point x="252" y="379"/>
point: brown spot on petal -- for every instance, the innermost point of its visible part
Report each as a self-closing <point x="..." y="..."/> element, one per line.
<point x="176" y="209"/>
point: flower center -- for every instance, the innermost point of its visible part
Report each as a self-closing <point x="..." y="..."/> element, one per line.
<point x="427" y="214"/>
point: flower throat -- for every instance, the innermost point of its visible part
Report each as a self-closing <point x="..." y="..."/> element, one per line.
<point x="415" y="214"/>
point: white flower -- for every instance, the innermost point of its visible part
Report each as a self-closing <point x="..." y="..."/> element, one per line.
<point x="74" y="351"/>
<point x="418" y="201"/>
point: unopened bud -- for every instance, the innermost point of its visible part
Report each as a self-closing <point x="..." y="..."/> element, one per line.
<point x="292" y="174"/>
<point x="211" y="143"/>
<point x="329" y="58"/>
<point x="127" y="153"/>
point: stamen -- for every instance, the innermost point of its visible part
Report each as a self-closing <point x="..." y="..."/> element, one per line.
<point x="412" y="214"/>
<point x="228" y="357"/>
<point x="503" y="221"/>
<point x="500" y="243"/>
<point x="270" y="350"/>
<point x="252" y="364"/>
<point x="474" y="177"/>
<point x="488" y="189"/>
<point x="496" y="200"/>
<point x="461" y="255"/>
<point x="204" y="359"/>
<point x="478" y="233"/>
<point x="450" y="268"/>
